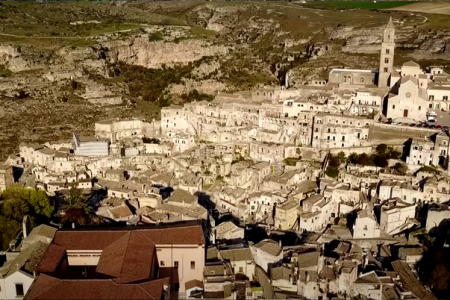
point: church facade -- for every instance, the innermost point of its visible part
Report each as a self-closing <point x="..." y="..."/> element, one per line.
<point x="414" y="94"/>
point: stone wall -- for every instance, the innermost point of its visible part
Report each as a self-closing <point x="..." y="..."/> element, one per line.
<point x="264" y="281"/>
<point x="349" y="150"/>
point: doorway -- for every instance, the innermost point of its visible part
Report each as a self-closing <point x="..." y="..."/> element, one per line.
<point x="405" y="113"/>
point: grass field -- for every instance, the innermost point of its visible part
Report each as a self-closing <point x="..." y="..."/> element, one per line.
<point x="357" y="4"/>
<point x="439" y="7"/>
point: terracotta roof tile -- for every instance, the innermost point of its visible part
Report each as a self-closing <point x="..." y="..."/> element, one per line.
<point x="51" y="258"/>
<point x="128" y="259"/>
<point x="100" y="238"/>
<point x="47" y="287"/>
<point x="193" y="283"/>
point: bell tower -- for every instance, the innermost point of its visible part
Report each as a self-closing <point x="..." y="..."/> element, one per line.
<point x="387" y="55"/>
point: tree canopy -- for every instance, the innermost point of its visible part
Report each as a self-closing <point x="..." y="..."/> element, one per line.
<point x="78" y="210"/>
<point x="18" y="202"/>
<point x="332" y="172"/>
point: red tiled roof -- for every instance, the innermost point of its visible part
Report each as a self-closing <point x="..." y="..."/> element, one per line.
<point x="154" y="287"/>
<point x="99" y="239"/>
<point x="129" y="259"/>
<point x="193" y="283"/>
<point x="47" y="287"/>
<point x="51" y="259"/>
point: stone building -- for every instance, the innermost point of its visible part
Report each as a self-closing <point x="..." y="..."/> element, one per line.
<point x="395" y="215"/>
<point x="340" y="131"/>
<point x="387" y="55"/>
<point x="118" y="129"/>
<point x="366" y="226"/>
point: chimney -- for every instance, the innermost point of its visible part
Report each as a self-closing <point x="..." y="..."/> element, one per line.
<point x="24" y="226"/>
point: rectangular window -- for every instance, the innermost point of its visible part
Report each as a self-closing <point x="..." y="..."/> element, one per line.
<point x="385" y="70"/>
<point x="420" y="107"/>
<point x="362" y="80"/>
<point x="192" y="265"/>
<point x="445" y="98"/>
<point x="386" y="60"/>
<point x="175" y="264"/>
<point x="241" y="269"/>
<point x="393" y="106"/>
<point x="387" y="51"/>
<point x="162" y="263"/>
<point x="19" y="289"/>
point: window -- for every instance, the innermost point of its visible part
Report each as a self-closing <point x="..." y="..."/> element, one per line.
<point x="420" y="107"/>
<point x="445" y="98"/>
<point x="362" y="80"/>
<point x="19" y="289"/>
<point x="241" y="269"/>
<point x="431" y="97"/>
<point x="386" y="60"/>
<point x="393" y="106"/>
<point x="175" y="264"/>
<point x="162" y="263"/>
<point x="385" y="70"/>
<point x="192" y="265"/>
<point x="430" y="106"/>
<point x="387" y="51"/>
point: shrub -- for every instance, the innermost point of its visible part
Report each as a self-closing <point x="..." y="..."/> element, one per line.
<point x="156" y="36"/>
<point x="401" y="168"/>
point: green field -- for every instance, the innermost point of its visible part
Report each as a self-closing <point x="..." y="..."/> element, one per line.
<point x="357" y="4"/>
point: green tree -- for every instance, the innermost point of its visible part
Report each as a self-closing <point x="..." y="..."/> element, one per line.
<point x="332" y="172"/>
<point x="381" y="161"/>
<point x="76" y="208"/>
<point x="363" y="159"/>
<point x="342" y="157"/>
<point x="353" y="158"/>
<point x="381" y="149"/>
<point x="76" y="200"/>
<point x="19" y="202"/>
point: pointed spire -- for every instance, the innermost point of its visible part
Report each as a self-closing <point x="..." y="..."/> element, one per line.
<point x="390" y="23"/>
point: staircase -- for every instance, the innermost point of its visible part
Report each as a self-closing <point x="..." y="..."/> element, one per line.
<point x="241" y="289"/>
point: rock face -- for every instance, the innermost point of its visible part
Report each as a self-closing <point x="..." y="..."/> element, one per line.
<point x="205" y="86"/>
<point x="148" y="54"/>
